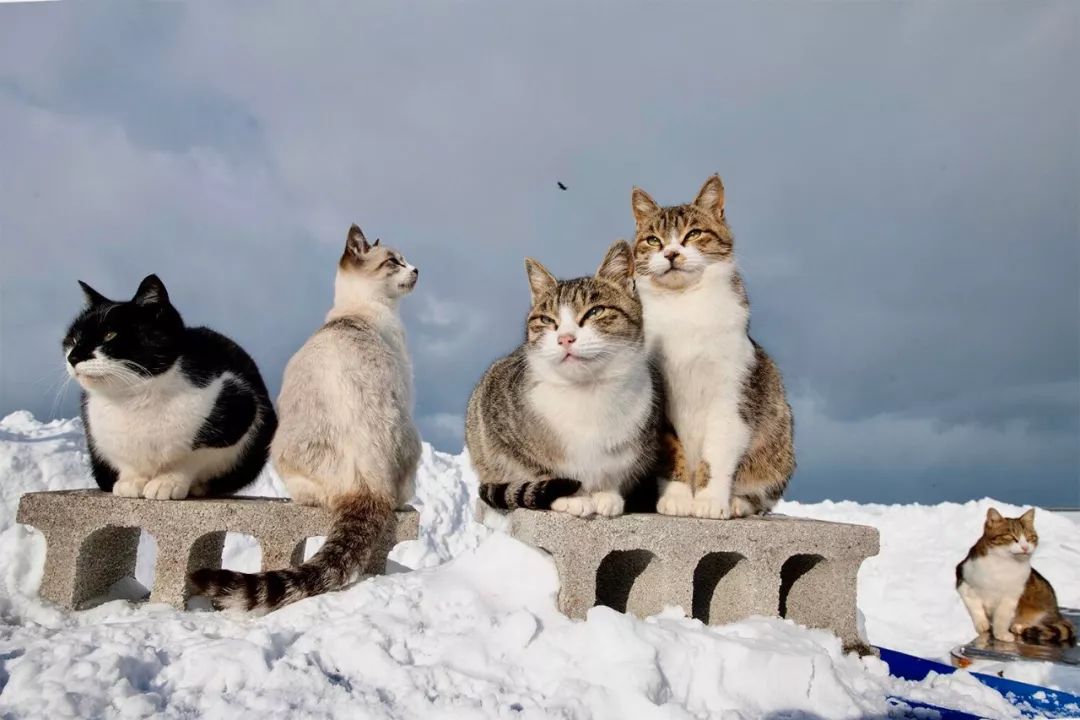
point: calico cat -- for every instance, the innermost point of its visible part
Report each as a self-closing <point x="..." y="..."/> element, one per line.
<point x="568" y="421"/>
<point x="346" y="439"/>
<point x="1004" y="595"/>
<point x="169" y="411"/>
<point x="725" y="397"/>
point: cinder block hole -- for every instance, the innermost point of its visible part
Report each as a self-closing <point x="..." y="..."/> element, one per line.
<point x="796" y="585"/>
<point x="242" y="553"/>
<point x="146" y="560"/>
<point x="717" y="580"/>
<point x="617" y="576"/>
<point x="312" y="545"/>
<point x="105" y="568"/>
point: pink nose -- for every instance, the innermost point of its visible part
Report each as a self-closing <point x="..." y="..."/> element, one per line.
<point x="566" y="340"/>
<point x="671" y="254"/>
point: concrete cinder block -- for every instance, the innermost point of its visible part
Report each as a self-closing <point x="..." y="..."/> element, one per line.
<point x="91" y="538"/>
<point x="719" y="571"/>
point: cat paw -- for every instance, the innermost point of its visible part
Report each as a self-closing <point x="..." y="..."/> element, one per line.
<point x="741" y="507"/>
<point x="676" y="499"/>
<point x="1005" y="636"/>
<point x="582" y="506"/>
<point x="608" y="504"/>
<point x="710" y="507"/>
<point x="129" y="487"/>
<point x="167" y="487"/>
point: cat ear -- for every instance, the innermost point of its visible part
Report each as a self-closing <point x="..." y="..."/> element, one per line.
<point x="93" y="297"/>
<point x="541" y="282"/>
<point x="355" y="242"/>
<point x="643" y="206"/>
<point x="376" y="243"/>
<point x="618" y="266"/>
<point x="1028" y="518"/>
<point x="151" y="292"/>
<point x="993" y="516"/>
<point x="711" y="197"/>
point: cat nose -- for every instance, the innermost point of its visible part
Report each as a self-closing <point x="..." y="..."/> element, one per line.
<point x="415" y="272"/>
<point x="671" y="254"/>
<point x="566" y="340"/>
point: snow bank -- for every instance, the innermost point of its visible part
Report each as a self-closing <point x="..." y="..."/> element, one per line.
<point x="474" y="632"/>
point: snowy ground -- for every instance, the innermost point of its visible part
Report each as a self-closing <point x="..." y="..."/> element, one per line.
<point x="474" y="632"/>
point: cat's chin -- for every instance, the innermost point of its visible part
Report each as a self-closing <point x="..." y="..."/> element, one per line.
<point x="675" y="279"/>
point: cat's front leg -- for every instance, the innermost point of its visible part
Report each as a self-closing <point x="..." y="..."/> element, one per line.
<point x="580" y="503"/>
<point x="1002" y="618"/>
<point x="608" y="503"/>
<point x="676" y="498"/>
<point x="725" y="444"/>
<point x="975" y="609"/>
<point x="129" y="484"/>
<point x="168" y="486"/>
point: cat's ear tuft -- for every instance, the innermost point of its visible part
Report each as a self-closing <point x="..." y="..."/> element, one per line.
<point x="618" y="266"/>
<point x="355" y="242"/>
<point x="151" y="292"/>
<point x="711" y="197"/>
<point x="541" y="282"/>
<point x="1028" y="518"/>
<point x="644" y="207"/>
<point x="92" y="296"/>
<point x="376" y="243"/>
<point x="993" y="516"/>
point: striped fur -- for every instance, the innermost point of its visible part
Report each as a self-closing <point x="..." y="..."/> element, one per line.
<point x="531" y="495"/>
<point x="360" y="521"/>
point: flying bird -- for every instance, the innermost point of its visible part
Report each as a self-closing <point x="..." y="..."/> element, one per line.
<point x="561" y="186"/>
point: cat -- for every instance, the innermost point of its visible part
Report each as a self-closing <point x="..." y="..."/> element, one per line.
<point x="568" y="421"/>
<point x="1004" y="595"/>
<point x="346" y="439"/>
<point x="725" y="397"/>
<point x="169" y="410"/>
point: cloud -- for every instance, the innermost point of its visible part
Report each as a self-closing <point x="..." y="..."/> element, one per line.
<point x="903" y="183"/>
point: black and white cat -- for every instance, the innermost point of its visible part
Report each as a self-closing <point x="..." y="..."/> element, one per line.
<point x="169" y="411"/>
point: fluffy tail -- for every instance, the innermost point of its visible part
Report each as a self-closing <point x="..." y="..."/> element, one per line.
<point x="535" y="494"/>
<point x="1051" y="632"/>
<point x="359" y="522"/>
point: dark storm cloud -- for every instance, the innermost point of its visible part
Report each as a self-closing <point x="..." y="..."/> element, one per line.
<point x="903" y="182"/>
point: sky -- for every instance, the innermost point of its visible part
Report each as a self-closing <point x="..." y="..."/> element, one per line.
<point x="903" y="182"/>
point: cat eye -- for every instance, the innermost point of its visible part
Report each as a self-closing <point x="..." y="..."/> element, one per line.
<point x="110" y="336"/>
<point x="592" y="312"/>
<point x="691" y="235"/>
<point x="653" y="241"/>
<point x="545" y="319"/>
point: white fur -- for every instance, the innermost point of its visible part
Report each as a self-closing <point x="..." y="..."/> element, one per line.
<point x="144" y="427"/>
<point x="357" y="399"/>
<point x="700" y="333"/>
<point x="596" y="406"/>
<point x="991" y="587"/>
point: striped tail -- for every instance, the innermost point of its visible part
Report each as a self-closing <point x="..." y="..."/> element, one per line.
<point x="1053" y="632"/>
<point x="359" y="522"/>
<point x="534" y="494"/>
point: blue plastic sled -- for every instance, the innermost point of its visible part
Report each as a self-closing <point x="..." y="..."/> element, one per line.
<point x="1031" y="700"/>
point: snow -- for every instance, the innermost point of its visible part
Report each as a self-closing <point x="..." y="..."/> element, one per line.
<point x="473" y="631"/>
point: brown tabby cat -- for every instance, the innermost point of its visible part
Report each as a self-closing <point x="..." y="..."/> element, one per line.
<point x="1003" y="593"/>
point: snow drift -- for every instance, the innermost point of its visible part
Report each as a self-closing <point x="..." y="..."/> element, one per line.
<point x="474" y="632"/>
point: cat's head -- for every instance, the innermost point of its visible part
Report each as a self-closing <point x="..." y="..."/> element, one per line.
<point x="674" y="246"/>
<point x="373" y="271"/>
<point x="588" y="328"/>
<point x="1012" y="537"/>
<point x="114" y="346"/>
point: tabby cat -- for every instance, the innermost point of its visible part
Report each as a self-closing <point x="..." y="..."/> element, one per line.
<point x="1004" y="595"/>
<point x="734" y="452"/>
<point x="568" y="421"/>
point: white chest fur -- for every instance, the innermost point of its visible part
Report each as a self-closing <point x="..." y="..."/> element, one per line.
<point x="706" y="355"/>
<point x="995" y="578"/>
<point x="598" y="425"/>
<point x="146" y="432"/>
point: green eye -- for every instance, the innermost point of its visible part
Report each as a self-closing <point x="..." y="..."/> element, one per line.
<point x="110" y="336"/>
<point x="592" y="312"/>
<point x="691" y="235"/>
<point x="545" y="320"/>
<point x="653" y="241"/>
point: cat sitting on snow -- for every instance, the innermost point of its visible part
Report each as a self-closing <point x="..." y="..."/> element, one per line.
<point x="169" y="411"/>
